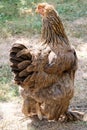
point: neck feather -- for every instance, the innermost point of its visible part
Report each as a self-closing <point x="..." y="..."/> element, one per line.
<point x="53" y="30"/>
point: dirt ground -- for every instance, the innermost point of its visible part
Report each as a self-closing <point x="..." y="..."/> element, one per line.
<point x="11" y="117"/>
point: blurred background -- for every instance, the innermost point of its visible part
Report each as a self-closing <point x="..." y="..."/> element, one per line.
<point x="18" y="16"/>
<point x="19" y="22"/>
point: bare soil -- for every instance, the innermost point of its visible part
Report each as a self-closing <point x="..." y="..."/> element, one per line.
<point x="11" y="117"/>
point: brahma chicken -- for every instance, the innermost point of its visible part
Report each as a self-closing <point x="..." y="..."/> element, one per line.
<point x="46" y="73"/>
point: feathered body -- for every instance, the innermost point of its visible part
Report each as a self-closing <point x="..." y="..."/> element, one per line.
<point x="47" y="73"/>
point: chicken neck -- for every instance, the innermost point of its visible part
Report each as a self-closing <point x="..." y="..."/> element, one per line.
<point x="53" y="32"/>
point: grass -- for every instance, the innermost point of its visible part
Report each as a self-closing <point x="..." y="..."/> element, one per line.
<point x="82" y="123"/>
<point x="8" y="90"/>
<point x="14" y="21"/>
<point x="72" y="10"/>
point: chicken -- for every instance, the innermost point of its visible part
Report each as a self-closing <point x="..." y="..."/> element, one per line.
<point x="46" y="73"/>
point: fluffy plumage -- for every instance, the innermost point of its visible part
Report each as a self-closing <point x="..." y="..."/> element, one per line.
<point x="47" y="73"/>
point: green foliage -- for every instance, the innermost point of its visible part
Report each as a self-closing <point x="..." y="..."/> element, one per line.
<point x="72" y="10"/>
<point x="8" y="90"/>
<point x="8" y="9"/>
<point x="14" y="21"/>
<point x="5" y="74"/>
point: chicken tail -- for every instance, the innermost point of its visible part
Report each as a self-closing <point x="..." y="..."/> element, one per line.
<point x="21" y="60"/>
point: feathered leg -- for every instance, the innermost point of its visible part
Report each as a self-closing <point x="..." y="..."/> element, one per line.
<point x="73" y="116"/>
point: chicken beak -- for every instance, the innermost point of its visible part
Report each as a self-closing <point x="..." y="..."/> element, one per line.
<point x="39" y="11"/>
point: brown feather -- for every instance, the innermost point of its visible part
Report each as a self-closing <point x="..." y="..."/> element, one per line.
<point x="47" y="73"/>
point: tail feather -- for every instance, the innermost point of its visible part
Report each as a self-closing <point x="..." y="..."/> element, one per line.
<point x="13" y="65"/>
<point x="24" y="53"/>
<point x="23" y="73"/>
<point x="20" y="46"/>
<point x="19" y="81"/>
<point x="14" y="60"/>
<point x="20" y="59"/>
<point x="22" y="65"/>
<point x="28" y="82"/>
